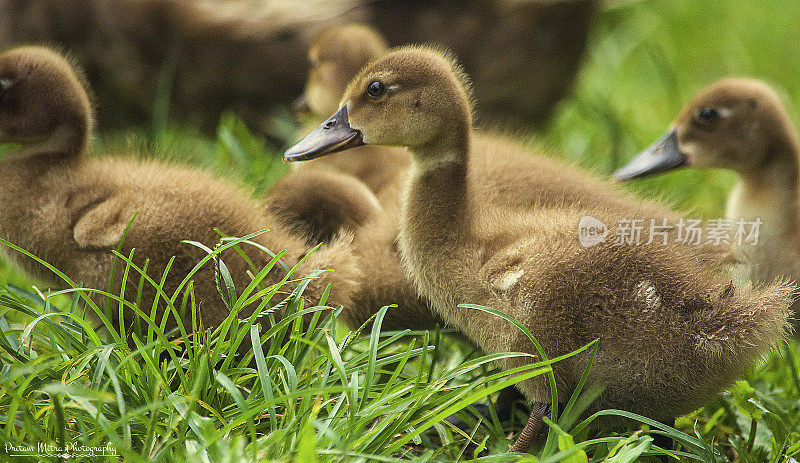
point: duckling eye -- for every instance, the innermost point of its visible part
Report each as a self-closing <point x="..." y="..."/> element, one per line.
<point x="376" y="89"/>
<point x="708" y="114"/>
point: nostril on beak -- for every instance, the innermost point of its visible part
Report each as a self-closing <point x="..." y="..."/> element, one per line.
<point x="330" y="124"/>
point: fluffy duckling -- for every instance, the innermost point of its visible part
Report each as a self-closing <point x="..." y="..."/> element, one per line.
<point x="325" y="195"/>
<point x="673" y="331"/>
<point x="335" y="56"/>
<point x="741" y="125"/>
<point x="72" y="211"/>
<point x="317" y="202"/>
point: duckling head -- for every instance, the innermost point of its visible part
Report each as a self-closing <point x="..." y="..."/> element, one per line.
<point x="335" y="56"/>
<point x="42" y="101"/>
<point x="730" y="124"/>
<point x="415" y="97"/>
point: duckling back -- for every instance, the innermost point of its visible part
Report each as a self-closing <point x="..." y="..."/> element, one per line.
<point x="82" y="212"/>
<point x="673" y="330"/>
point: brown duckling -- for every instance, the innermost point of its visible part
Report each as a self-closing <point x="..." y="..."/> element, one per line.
<point x="321" y="204"/>
<point x="71" y="210"/>
<point x="741" y="125"/>
<point x="335" y="56"/>
<point x="316" y="203"/>
<point x="325" y="195"/>
<point x="673" y="331"/>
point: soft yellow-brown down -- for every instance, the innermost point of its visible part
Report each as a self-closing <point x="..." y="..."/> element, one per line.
<point x="320" y="197"/>
<point x="71" y="210"/>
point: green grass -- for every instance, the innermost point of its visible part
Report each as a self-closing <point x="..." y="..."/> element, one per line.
<point x="317" y="394"/>
<point x="327" y="394"/>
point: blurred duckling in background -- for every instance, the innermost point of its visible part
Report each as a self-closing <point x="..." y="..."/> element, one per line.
<point x="200" y="58"/>
<point x="741" y="125"/>
<point x="193" y="59"/>
<point x="673" y="331"/>
<point x="72" y="211"/>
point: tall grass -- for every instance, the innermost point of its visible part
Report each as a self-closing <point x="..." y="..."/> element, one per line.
<point x="70" y="376"/>
<point x="72" y="379"/>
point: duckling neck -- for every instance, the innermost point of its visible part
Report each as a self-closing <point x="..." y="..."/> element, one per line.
<point x="23" y="171"/>
<point x="771" y="192"/>
<point x="65" y="144"/>
<point x="436" y="200"/>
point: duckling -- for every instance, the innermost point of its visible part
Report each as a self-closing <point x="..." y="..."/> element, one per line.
<point x="324" y="197"/>
<point x="320" y="204"/>
<point x="72" y="211"/>
<point x="673" y="331"/>
<point x="741" y="125"/>
<point x="335" y="56"/>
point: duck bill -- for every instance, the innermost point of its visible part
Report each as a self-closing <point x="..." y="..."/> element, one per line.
<point x="661" y="156"/>
<point x="331" y="136"/>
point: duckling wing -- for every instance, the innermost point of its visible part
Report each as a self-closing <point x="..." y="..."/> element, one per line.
<point x="102" y="223"/>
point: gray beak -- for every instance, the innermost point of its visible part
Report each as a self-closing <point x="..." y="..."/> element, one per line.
<point x="331" y="136"/>
<point x="661" y="156"/>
